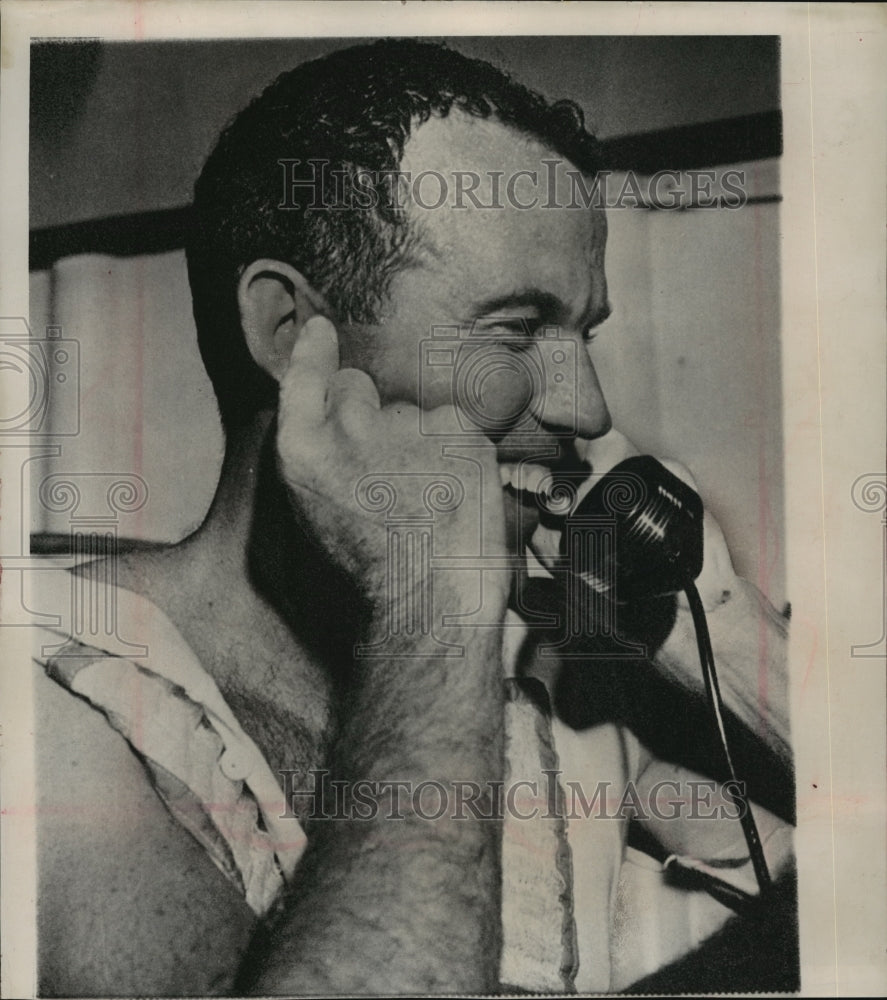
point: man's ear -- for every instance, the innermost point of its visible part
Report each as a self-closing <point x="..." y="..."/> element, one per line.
<point x="275" y="301"/>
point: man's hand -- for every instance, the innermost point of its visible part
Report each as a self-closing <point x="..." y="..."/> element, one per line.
<point x="381" y="902"/>
<point x="335" y="438"/>
<point x="747" y="634"/>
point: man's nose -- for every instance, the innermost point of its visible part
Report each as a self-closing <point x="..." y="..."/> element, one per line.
<point x="569" y="398"/>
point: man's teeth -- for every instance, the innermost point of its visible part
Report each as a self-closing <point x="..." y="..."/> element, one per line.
<point x="527" y="477"/>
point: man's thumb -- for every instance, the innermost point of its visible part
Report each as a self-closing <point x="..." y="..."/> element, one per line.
<point x="313" y="361"/>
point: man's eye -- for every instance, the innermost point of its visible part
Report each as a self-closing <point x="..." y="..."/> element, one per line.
<point x="518" y="337"/>
<point x="515" y="334"/>
<point x="520" y="345"/>
<point x="519" y="327"/>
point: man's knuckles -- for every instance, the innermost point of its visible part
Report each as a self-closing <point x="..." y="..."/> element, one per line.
<point x="681" y="471"/>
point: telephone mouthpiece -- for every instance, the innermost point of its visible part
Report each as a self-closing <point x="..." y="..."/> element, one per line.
<point x="636" y="534"/>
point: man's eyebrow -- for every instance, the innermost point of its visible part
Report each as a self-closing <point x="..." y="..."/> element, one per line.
<point x="549" y="307"/>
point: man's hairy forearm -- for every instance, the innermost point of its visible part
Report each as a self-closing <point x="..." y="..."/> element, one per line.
<point x="386" y="905"/>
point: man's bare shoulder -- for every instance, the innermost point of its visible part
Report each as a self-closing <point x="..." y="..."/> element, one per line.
<point x="128" y="901"/>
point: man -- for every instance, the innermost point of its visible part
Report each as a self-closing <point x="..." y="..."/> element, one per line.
<point x="181" y="847"/>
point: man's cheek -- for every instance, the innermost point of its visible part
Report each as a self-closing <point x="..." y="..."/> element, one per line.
<point x="503" y="398"/>
<point x="495" y="387"/>
<point x="436" y="387"/>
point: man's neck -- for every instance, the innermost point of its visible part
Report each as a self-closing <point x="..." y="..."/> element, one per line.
<point x="235" y="590"/>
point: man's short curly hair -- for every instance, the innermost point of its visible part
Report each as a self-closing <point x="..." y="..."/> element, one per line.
<point x="354" y="110"/>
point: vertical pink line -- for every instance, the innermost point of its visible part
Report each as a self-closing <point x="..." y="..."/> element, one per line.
<point x="138" y="387"/>
<point x="144" y="129"/>
<point x="138" y="397"/>
<point x="138" y="375"/>
<point x="137" y="381"/>
<point x="762" y="427"/>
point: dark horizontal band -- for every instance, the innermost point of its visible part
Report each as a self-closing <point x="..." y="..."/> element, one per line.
<point x="687" y="147"/>
<point x="116" y="235"/>
<point x="693" y="147"/>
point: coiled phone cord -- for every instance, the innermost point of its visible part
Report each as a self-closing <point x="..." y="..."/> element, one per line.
<point x="737" y="789"/>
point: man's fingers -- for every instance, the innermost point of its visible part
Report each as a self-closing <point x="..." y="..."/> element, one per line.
<point x="681" y="471"/>
<point x="451" y="421"/>
<point x="314" y="360"/>
<point x="351" y="386"/>
<point x="715" y="582"/>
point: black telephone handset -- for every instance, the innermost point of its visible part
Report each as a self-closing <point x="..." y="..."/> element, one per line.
<point x="652" y="545"/>
<point x="655" y="532"/>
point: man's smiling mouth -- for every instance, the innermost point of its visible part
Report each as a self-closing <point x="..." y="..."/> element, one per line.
<point x="526" y="477"/>
<point x="547" y="491"/>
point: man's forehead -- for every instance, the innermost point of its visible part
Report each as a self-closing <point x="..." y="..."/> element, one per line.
<point x="487" y="231"/>
<point x="462" y="144"/>
<point x="444" y="142"/>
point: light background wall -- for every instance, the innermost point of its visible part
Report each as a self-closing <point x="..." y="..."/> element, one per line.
<point x="689" y="361"/>
<point x="125" y="127"/>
